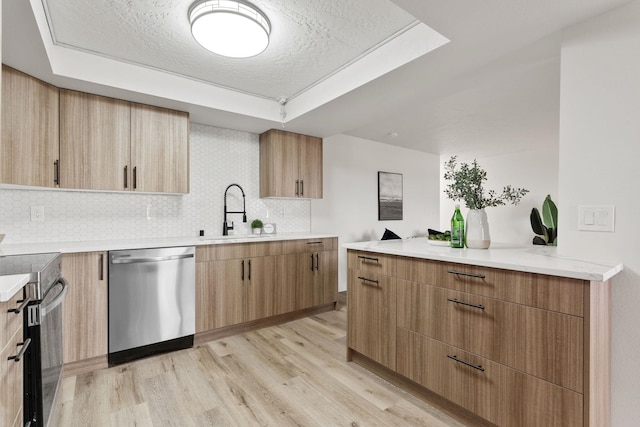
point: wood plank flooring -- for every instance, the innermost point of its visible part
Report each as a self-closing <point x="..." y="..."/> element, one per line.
<point x="288" y="375"/>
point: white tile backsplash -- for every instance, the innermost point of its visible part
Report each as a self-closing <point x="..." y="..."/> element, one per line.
<point x="218" y="158"/>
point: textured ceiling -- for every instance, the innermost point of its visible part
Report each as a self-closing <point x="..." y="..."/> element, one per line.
<point x="310" y="40"/>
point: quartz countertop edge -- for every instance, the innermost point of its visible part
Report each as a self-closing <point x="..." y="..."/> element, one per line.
<point x="156" y="242"/>
<point x="10" y="285"/>
<point x="531" y="259"/>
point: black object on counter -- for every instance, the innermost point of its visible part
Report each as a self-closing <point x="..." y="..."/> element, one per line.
<point x="389" y="235"/>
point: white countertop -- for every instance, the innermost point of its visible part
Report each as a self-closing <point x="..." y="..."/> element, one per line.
<point x="10" y="285"/>
<point x="532" y="259"/>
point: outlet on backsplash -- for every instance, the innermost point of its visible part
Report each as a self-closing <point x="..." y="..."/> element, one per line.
<point x="37" y="213"/>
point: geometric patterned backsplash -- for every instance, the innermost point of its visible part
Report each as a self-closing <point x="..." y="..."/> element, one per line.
<point x="218" y="157"/>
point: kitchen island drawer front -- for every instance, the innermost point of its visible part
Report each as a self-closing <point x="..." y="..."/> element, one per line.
<point x="309" y="245"/>
<point x="372" y="262"/>
<point x="560" y="294"/>
<point x="480" y="385"/>
<point x="542" y="343"/>
<point x="371" y="315"/>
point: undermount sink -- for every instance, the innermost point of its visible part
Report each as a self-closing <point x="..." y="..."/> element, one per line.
<point x="235" y="237"/>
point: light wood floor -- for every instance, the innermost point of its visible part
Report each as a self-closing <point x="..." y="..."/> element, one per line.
<point x="289" y="375"/>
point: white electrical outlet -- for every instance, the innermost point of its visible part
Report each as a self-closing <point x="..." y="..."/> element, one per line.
<point x="37" y="213"/>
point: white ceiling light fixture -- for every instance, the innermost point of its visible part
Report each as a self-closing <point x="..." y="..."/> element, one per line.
<point x="235" y="29"/>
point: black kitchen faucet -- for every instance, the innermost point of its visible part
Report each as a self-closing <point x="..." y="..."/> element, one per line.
<point x="225" y="226"/>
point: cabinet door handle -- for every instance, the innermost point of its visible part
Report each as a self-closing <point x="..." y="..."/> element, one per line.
<point x="56" y="172"/>
<point x="462" y="273"/>
<point x="365" y="280"/>
<point x="464" y="362"/>
<point x="302" y="187"/>
<point x="297" y="187"/>
<point x="135" y="177"/>
<point x="317" y="262"/>
<point x="468" y="304"/>
<point x="249" y="269"/>
<point x="21" y="307"/>
<point x="101" y="267"/>
<point x="126" y="177"/>
<point x="311" y="262"/>
<point x="25" y="345"/>
<point x="366" y="258"/>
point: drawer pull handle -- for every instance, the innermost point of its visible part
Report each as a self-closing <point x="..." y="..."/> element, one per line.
<point x="468" y="304"/>
<point x="464" y="362"/>
<point x="366" y="258"/>
<point x="23" y="350"/>
<point x="21" y="307"/>
<point x="314" y="243"/>
<point x="462" y="273"/>
<point x="364" y="279"/>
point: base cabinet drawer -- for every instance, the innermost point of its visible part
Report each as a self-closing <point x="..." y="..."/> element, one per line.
<point x="372" y="262"/>
<point x="495" y="392"/>
<point x="546" y="344"/>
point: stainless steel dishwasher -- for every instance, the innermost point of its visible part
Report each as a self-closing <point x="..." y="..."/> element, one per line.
<point x="151" y="302"/>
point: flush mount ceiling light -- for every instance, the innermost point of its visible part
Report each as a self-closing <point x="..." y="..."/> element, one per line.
<point x="230" y="28"/>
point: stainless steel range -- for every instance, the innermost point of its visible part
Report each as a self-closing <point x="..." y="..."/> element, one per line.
<point x="42" y="309"/>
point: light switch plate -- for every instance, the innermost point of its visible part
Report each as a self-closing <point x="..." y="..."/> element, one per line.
<point x="596" y="217"/>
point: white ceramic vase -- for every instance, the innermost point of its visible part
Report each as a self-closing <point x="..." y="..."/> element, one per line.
<point x="477" y="229"/>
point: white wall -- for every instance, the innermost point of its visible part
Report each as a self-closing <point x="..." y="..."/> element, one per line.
<point x="598" y="163"/>
<point x="218" y="157"/>
<point x="536" y="170"/>
<point x="350" y="204"/>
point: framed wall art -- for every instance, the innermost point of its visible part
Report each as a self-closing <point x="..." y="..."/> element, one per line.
<point x="389" y="196"/>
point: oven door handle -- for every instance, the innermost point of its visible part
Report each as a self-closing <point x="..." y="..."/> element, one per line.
<point x="46" y="308"/>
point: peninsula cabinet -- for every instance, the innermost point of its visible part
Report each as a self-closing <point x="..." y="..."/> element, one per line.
<point x="290" y="165"/>
<point x="11" y="372"/>
<point x="110" y="144"/>
<point x="512" y="348"/>
<point x="29" y="148"/>
<point x="85" y="308"/>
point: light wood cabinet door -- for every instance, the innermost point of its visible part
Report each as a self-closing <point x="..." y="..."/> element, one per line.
<point x="504" y="396"/>
<point x="226" y="293"/>
<point x="259" y="287"/>
<point x="159" y="149"/>
<point x="85" y="308"/>
<point x="371" y="316"/>
<point x="94" y="142"/>
<point x="543" y="343"/>
<point x="328" y="269"/>
<point x="290" y="165"/>
<point x="29" y="150"/>
<point x="310" y="167"/>
<point x="10" y="370"/>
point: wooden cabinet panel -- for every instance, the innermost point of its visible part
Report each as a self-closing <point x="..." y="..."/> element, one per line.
<point x="159" y="149"/>
<point x="371" y="316"/>
<point x="94" y="142"/>
<point x="85" y="308"/>
<point x="11" y="379"/>
<point x="246" y="250"/>
<point x="30" y="141"/>
<point x="373" y="262"/>
<point x="499" y="394"/>
<point x="226" y="296"/>
<point x="549" y="292"/>
<point x="542" y="343"/>
<point x="260" y="287"/>
<point x="11" y="334"/>
<point x="290" y="165"/>
<point x="309" y="245"/>
<point x="328" y="269"/>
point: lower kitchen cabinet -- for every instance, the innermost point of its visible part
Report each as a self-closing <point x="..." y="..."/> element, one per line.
<point x="513" y="348"/>
<point x="11" y="371"/>
<point x="85" y="308"/>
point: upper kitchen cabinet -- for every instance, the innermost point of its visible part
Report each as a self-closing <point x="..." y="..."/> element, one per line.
<point x="94" y="141"/>
<point x="110" y="144"/>
<point x="290" y="165"/>
<point x="159" y="149"/>
<point x="30" y="141"/>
